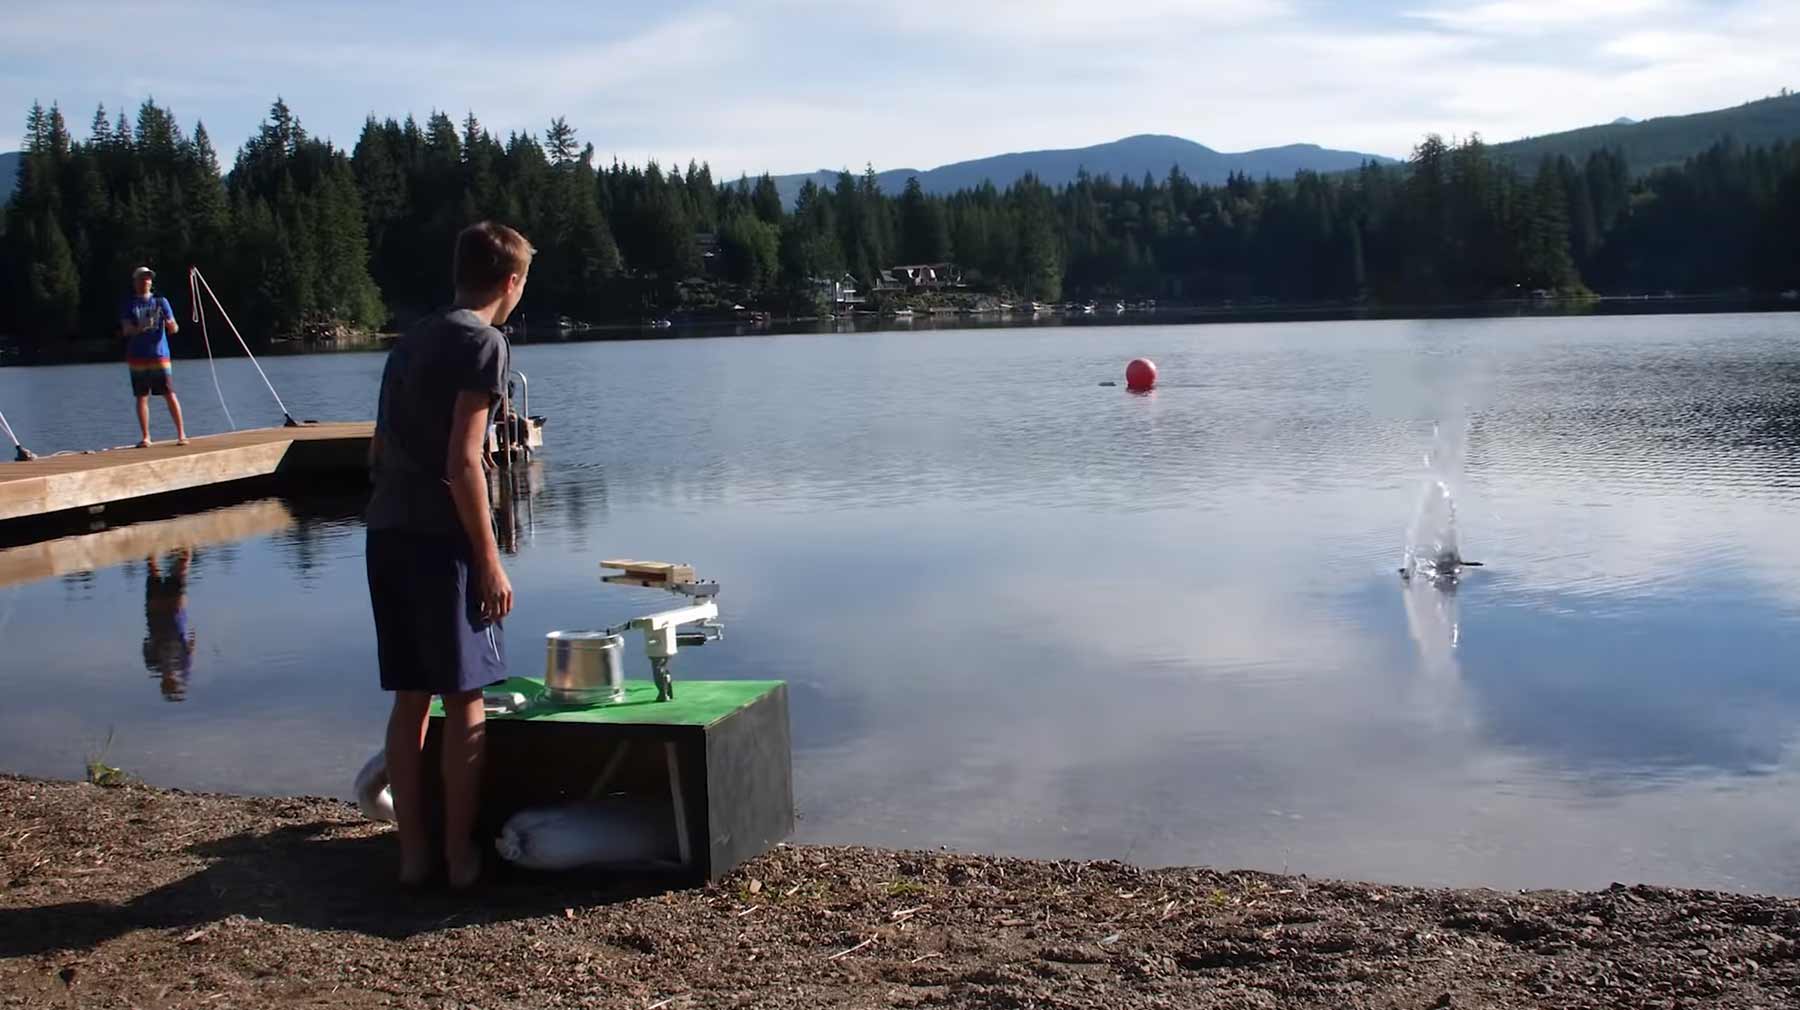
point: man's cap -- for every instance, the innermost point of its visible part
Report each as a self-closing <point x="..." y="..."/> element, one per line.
<point x="142" y="272"/>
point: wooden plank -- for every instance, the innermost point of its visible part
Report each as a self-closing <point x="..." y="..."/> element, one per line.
<point x="81" y="480"/>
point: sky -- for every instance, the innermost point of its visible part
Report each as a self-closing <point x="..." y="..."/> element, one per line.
<point x="799" y="85"/>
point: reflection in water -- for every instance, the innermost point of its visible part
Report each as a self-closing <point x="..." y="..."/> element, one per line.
<point x="83" y="555"/>
<point x="168" y="642"/>
<point x="1683" y="694"/>
<point x="512" y="492"/>
<point x="1434" y="622"/>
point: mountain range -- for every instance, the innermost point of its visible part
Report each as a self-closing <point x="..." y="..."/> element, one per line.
<point x="1128" y="158"/>
<point x="1648" y="145"/>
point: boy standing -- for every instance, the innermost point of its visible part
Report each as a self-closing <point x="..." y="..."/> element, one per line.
<point x="435" y="581"/>
<point x="146" y="320"/>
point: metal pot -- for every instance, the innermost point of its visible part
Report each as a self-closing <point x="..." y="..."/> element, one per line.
<point x="584" y="668"/>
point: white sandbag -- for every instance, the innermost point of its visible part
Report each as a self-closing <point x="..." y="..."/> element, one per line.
<point x="373" y="797"/>
<point x="612" y="830"/>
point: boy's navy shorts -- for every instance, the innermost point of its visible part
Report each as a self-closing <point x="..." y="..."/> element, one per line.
<point x="429" y="632"/>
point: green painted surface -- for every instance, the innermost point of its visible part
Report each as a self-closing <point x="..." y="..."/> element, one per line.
<point x="696" y="703"/>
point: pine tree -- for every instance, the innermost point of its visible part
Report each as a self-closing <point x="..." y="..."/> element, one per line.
<point x="158" y="139"/>
<point x="766" y="199"/>
<point x="57" y="139"/>
<point x="100" y="133"/>
<point x="751" y="248"/>
<point x="559" y="142"/>
<point x="1039" y="272"/>
<point x="53" y="289"/>
<point x="1546" y="260"/>
<point x="208" y="207"/>
<point x="924" y="230"/>
<point x="37" y="123"/>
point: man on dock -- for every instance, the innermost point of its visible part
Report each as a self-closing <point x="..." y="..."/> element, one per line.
<point x="146" y="320"/>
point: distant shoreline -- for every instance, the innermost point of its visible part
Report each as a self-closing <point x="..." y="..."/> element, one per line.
<point x="105" y="351"/>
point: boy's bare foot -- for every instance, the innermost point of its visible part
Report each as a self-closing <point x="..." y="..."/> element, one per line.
<point x="414" y="870"/>
<point x="183" y="440"/>
<point x="145" y="444"/>
<point x="464" y="866"/>
<point x="413" y="877"/>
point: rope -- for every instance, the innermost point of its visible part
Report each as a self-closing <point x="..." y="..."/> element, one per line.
<point x="199" y="280"/>
<point x="200" y="317"/>
<point x="24" y="454"/>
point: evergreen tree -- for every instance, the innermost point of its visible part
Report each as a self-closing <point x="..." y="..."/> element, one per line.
<point x="100" y="133"/>
<point x="767" y="201"/>
<point x="1040" y="265"/>
<point x="1545" y="260"/>
<point x="53" y="289"/>
<point x="751" y="249"/>
<point x="924" y="228"/>
<point x="559" y="142"/>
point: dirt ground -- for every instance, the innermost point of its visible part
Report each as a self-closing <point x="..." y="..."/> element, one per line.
<point x="137" y="897"/>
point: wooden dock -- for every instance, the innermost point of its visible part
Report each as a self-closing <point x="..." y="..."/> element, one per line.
<point x="59" y="484"/>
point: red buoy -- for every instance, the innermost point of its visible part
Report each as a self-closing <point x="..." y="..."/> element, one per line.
<point x="1140" y="375"/>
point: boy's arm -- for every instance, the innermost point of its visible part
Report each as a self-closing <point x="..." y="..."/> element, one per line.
<point x="169" y="323"/>
<point x="479" y="390"/>
<point x="380" y="418"/>
<point x="469" y="490"/>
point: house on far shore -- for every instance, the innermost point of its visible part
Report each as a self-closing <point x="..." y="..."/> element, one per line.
<point x="919" y="277"/>
<point x="839" y="291"/>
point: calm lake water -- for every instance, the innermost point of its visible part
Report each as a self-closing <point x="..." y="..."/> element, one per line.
<point x="1023" y="612"/>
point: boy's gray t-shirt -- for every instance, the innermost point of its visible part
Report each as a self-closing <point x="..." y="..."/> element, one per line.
<point x="442" y="355"/>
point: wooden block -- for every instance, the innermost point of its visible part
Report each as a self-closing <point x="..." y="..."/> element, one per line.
<point x="654" y="573"/>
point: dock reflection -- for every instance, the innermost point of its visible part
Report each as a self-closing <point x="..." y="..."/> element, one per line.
<point x="168" y="548"/>
<point x="512" y="491"/>
<point x="109" y="548"/>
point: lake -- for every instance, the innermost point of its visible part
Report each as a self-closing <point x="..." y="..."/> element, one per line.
<point x="1023" y="612"/>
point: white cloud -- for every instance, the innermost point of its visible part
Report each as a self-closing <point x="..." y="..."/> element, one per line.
<point x="1080" y="22"/>
<point x="791" y="85"/>
<point x="1538" y="17"/>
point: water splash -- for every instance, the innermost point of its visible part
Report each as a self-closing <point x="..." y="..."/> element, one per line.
<point x="1433" y="560"/>
<point x="1434" y="620"/>
<point x="1432" y="552"/>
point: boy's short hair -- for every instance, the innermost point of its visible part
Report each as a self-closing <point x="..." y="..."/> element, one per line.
<point x="487" y="253"/>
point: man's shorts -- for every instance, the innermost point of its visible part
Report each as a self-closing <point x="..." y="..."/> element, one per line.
<point x="151" y="380"/>
<point x="429" y="632"/>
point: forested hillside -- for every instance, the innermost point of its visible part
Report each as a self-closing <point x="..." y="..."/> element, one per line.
<point x="299" y="234"/>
